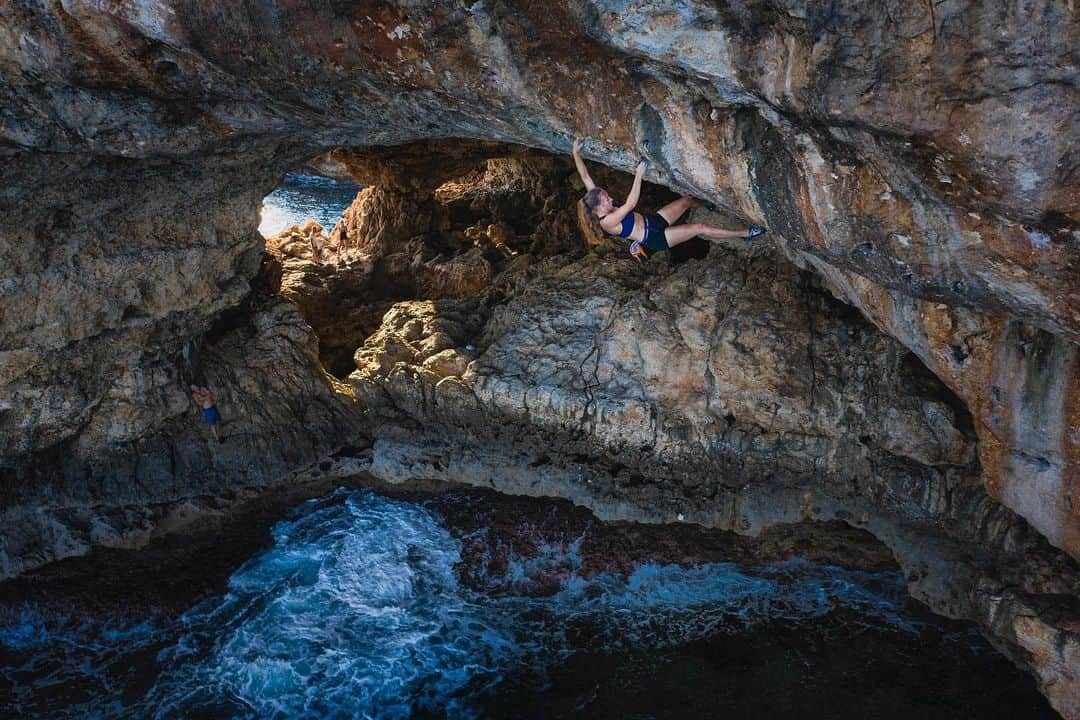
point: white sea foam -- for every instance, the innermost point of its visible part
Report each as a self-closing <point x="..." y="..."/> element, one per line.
<point x="356" y="612"/>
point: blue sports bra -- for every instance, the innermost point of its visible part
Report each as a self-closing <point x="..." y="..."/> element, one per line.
<point x="627" y="226"/>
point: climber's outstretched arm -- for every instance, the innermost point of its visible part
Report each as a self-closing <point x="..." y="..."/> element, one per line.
<point x="615" y="217"/>
<point x="582" y="170"/>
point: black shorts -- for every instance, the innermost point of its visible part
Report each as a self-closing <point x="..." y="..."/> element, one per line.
<point x="655" y="239"/>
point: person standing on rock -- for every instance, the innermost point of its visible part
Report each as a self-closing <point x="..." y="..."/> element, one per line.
<point x="649" y="233"/>
<point x="204" y="397"/>
<point x="342" y="242"/>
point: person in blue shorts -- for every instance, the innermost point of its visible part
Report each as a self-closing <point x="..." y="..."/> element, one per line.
<point x="648" y="232"/>
<point x="204" y="397"/>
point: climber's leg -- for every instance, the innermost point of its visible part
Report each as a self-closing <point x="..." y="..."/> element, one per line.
<point x="675" y="210"/>
<point x="678" y="234"/>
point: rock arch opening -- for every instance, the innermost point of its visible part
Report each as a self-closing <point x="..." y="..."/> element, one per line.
<point x="318" y="192"/>
<point x="451" y="219"/>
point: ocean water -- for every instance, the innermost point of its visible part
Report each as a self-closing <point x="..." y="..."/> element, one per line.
<point x="356" y="611"/>
<point x="303" y="197"/>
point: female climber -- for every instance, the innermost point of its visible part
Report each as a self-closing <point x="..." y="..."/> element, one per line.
<point x="650" y="232"/>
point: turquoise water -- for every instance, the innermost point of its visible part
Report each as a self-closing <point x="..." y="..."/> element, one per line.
<point x="356" y="611"/>
<point x="303" y="197"/>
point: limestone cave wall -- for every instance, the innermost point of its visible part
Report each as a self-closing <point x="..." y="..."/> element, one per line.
<point x="915" y="157"/>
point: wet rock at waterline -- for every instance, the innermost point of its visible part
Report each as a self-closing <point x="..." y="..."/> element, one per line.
<point x="732" y="392"/>
<point x="262" y="362"/>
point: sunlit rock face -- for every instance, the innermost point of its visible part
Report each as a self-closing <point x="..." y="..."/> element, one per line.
<point x="918" y="162"/>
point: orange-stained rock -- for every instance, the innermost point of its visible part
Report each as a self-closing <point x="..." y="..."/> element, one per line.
<point x="401" y="240"/>
<point x="1021" y="385"/>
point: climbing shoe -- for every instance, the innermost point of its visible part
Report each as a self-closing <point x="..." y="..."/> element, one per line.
<point x="755" y="232"/>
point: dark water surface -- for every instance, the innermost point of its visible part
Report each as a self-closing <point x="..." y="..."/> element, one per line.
<point x="303" y="197"/>
<point x="374" y="607"/>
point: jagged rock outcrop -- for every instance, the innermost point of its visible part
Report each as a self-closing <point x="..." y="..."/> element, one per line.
<point x="477" y="223"/>
<point x="732" y="372"/>
<point x="722" y="359"/>
<point x="345" y="303"/>
<point x="280" y="410"/>
<point x="406" y="238"/>
<point x="305" y="243"/>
